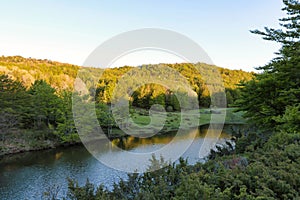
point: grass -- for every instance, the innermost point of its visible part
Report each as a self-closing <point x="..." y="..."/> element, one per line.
<point x="24" y="140"/>
<point x="170" y="121"/>
<point x="203" y="115"/>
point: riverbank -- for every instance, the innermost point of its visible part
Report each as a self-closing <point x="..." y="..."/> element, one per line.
<point x="173" y="121"/>
<point x="20" y="140"/>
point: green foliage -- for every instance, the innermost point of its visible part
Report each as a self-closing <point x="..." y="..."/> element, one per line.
<point x="61" y="76"/>
<point x="27" y="70"/>
<point x="270" y="172"/>
<point x="13" y="103"/>
<point x="87" y="192"/>
<point x="66" y="129"/>
<point x="104" y="115"/>
<point x="267" y="97"/>
<point x="36" y="117"/>
<point x="290" y="120"/>
<point x="45" y="110"/>
<point x="152" y="93"/>
<point x="226" y="149"/>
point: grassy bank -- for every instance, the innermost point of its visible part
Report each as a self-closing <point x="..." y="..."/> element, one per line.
<point x="172" y="121"/>
<point x="21" y="140"/>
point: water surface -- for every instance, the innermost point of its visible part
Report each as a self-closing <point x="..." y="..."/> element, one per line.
<point x="28" y="175"/>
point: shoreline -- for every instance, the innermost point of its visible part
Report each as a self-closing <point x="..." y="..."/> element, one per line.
<point x="54" y="145"/>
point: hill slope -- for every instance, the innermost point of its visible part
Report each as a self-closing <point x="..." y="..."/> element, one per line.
<point x="61" y="76"/>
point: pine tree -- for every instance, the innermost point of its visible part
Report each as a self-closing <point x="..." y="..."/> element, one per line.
<point x="45" y="109"/>
<point x="267" y="96"/>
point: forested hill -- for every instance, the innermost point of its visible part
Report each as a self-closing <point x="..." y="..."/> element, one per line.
<point x="61" y="76"/>
<point x="27" y="70"/>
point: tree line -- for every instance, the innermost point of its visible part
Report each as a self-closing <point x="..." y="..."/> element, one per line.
<point x="61" y="76"/>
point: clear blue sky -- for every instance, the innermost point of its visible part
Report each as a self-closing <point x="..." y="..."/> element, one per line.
<point x="69" y="30"/>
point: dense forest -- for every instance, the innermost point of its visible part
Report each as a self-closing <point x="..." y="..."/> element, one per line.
<point x="61" y="76"/>
<point x="265" y="162"/>
<point x="149" y="94"/>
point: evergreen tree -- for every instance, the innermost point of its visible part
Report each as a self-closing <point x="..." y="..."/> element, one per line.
<point x="45" y="109"/>
<point x="267" y="96"/>
<point x="13" y="104"/>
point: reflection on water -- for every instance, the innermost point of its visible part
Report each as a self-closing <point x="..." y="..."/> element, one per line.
<point x="58" y="155"/>
<point x="132" y="142"/>
<point x="28" y="175"/>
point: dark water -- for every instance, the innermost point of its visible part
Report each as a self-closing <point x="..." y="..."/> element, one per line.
<point x="28" y="175"/>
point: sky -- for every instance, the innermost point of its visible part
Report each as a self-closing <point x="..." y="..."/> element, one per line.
<point x="68" y="31"/>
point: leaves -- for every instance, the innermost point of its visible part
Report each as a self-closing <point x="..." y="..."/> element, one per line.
<point x="267" y="96"/>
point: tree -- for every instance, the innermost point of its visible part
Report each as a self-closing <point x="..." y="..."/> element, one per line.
<point x="66" y="129"/>
<point x="290" y="120"/>
<point x="267" y="96"/>
<point x="10" y="91"/>
<point x="13" y="103"/>
<point x="45" y="105"/>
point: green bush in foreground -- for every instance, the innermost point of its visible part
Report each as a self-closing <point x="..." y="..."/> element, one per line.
<point x="269" y="172"/>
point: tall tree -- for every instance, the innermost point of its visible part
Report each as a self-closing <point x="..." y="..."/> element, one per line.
<point x="13" y="103"/>
<point x="66" y="129"/>
<point x="267" y="96"/>
<point x="45" y="109"/>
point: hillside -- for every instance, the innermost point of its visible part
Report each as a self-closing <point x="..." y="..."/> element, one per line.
<point x="27" y="70"/>
<point x="61" y="76"/>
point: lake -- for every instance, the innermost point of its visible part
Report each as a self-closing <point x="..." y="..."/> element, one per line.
<point x="28" y="175"/>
